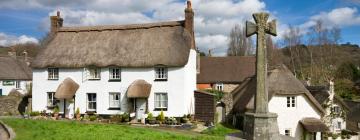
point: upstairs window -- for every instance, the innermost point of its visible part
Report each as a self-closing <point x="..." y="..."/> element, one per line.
<point x="219" y="86"/>
<point x="53" y="73"/>
<point x="91" y="102"/>
<point x="115" y="73"/>
<point x="161" y="101"/>
<point x="336" y="110"/>
<point x="161" y="73"/>
<point x="287" y="132"/>
<point x="290" y="101"/>
<point x="92" y="73"/>
<point x="114" y="100"/>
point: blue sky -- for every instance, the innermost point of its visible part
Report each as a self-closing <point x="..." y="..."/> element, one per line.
<point x="24" y="21"/>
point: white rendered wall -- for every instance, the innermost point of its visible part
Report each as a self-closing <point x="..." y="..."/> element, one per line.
<point x="6" y="89"/>
<point x="288" y="118"/>
<point x="180" y="87"/>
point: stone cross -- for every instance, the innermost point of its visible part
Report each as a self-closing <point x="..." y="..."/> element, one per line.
<point x="261" y="28"/>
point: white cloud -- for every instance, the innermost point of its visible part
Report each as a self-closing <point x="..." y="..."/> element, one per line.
<point x="8" y="40"/>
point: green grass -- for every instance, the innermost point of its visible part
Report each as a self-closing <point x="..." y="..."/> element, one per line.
<point x="72" y="130"/>
<point x="220" y="130"/>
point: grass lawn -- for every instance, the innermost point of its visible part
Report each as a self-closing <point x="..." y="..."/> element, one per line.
<point x="72" y="130"/>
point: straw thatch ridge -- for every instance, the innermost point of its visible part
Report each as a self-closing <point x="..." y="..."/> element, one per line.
<point x="280" y="82"/>
<point x="136" y="45"/>
<point x="12" y="68"/>
<point x="313" y="125"/>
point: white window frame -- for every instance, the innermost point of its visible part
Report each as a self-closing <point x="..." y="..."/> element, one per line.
<point x="161" y="73"/>
<point x="93" y="73"/>
<point x="88" y="102"/>
<point x="114" y="73"/>
<point x="287" y="132"/>
<point x="51" y="102"/>
<point x="219" y="86"/>
<point x="163" y="102"/>
<point x="53" y="73"/>
<point x="336" y="109"/>
<point x="112" y="101"/>
<point x="291" y="101"/>
<point x="17" y="84"/>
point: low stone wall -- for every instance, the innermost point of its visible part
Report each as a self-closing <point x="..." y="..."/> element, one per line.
<point x="11" y="104"/>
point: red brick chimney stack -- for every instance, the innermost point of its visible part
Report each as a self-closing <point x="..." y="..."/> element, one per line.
<point x="55" y="22"/>
<point x="189" y="20"/>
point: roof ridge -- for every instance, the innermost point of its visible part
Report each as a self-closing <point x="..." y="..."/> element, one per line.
<point x="121" y="27"/>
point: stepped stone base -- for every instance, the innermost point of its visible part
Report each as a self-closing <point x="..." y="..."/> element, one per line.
<point x="261" y="126"/>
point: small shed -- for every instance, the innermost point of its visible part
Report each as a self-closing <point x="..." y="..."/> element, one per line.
<point x="204" y="106"/>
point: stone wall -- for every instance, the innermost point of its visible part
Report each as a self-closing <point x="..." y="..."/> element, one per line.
<point x="11" y="104"/>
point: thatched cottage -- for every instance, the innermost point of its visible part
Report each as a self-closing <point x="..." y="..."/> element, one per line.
<point x="113" y="69"/>
<point x="299" y="113"/>
<point x="15" y="74"/>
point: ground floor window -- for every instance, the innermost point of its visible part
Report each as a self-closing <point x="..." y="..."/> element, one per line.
<point x="17" y="84"/>
<point x="51" y="100"/>
<point x="161" y="101"/>
<point x="91" y="102"/>
<point x="114" y="100"/>
<point x="287" y="132"/>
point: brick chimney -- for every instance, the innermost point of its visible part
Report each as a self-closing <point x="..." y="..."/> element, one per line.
<point x="55" y="22"/>
<point x="189" y="21"/>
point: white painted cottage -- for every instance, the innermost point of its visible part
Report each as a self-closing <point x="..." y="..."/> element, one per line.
<point x="113" y="69"/>
<point x="15" y="74"/>
<point x="299" y="114"/>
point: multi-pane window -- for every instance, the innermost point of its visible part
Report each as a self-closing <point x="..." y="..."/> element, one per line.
<point x="287" y="132"/>
<point x="91" y="102"/>
<point x="17" y="84"/>
<point x="338" y="125"/>
<point x="51" y="100"/>
<point x="115" y="73"/>
<point x="53" y="73"/>
<point x="161" y="100"/>
<point x="93" y="73"/>
<point x="219" y="86"/>
<point x="290" y="101"/>
<point x="160" y="73"/>
<point x="336" y="110"/>
<point x="114" y="100"/>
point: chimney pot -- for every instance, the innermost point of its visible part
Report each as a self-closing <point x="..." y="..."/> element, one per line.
<point x="189" y="4"/>
<point x="56" y="22"/>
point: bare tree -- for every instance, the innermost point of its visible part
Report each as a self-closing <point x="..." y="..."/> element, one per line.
<point x="239" y="44"/>
<point x="292" y="40"/>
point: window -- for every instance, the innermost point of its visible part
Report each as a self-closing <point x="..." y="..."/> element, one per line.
<point x="219" y="86"/>
<point x="8" y="83"/>
<point x="53" y="73"/>
<point x="338" y="126"/>
<point x="91" y="102"/>
<point x="287" y="132"/>
<point x="114" y="100"/>
<point x="17" y="83"/>
<point x="336" y="110"/>
<point x="51" y="100"/>
<point x="358" y="125"/>
<point x="93" y="73"/>
<point x="160" y="73"/>
<point x="290" y="101"/>
<point x="114" y="73"/>
<point x="161" y="101"/>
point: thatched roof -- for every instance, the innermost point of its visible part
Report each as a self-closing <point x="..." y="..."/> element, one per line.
<point x="231" y="69"/>
<point x="280" y="82"/>
<point x="67" y="89"/>
<point x="353" y="116"/>
<point x="12" y="68"/>
<point x="137" y="45"/>
<point x="139" y="89"/>
<point x="321" y="94"/>
<point x="314" y="125"/>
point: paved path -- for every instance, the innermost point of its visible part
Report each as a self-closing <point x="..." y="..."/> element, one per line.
<point x="4" y="135"/>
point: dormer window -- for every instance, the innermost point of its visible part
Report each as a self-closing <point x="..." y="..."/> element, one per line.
<point x="93" y="73"/>
<point x="291" y="101"/>
<point x="161" y="73"/>
<point x="53" y="73"/>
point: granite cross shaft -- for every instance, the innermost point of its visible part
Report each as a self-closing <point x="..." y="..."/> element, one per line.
<point x="261" y="28"/>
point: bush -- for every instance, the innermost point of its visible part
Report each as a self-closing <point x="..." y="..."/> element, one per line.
<point x="77" y="111"/>
<point x="218" y="94"/>
<point x="184" y="119"/>
<point x="56" y="109"/>
<point x="116" y="118"/>
<point x="150" y="116"/>
<point x="126" y="117"/>
<point x="92" y="117"/>
<point x="161" y="117"/>
<point x="35" y="113"/>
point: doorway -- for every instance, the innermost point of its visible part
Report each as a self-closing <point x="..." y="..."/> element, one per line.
<point x="140" y="107"/>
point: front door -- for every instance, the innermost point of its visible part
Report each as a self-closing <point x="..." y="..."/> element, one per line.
<point x="140" y="108"/>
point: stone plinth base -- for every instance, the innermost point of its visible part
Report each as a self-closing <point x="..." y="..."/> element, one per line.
<point x="261" y="126"/>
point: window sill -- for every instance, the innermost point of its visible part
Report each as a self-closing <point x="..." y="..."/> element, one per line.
<point x="53" y="79"/>
<point x="90" y="112"/>
<point x="114" y="108"/>
<point x="114" y="80"/>
<point x="160" y="80"/>
<point x="94" y="79"/>
<point x="160" y="109"/>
